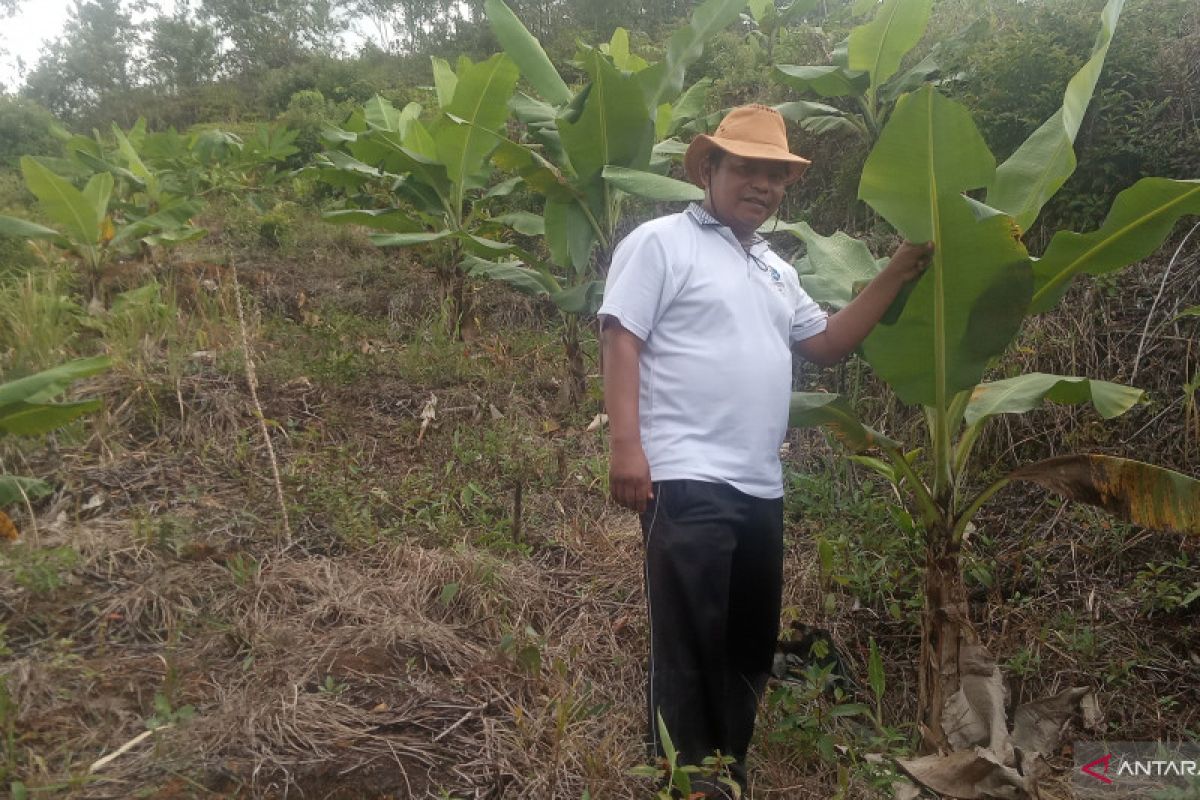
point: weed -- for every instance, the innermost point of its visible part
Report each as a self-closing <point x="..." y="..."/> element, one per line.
<point x="331" y="686"/>
<point x="39" y="321"/>
<point x="165" y="713"/>
<point x="39" y="570"/>
<point x="675" y="776"/>
<point x="855" y="530"/>
<point x="243" y="568"/>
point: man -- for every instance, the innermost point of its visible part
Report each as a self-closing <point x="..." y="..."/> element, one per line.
<point x="698" y="324"/>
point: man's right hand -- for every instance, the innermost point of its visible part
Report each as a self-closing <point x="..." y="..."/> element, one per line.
<point x="629" y="476"/>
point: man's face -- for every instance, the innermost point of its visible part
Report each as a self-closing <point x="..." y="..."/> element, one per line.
<point x="744" y="192"/>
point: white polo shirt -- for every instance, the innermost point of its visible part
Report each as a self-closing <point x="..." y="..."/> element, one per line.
<point x="717" y="323"/>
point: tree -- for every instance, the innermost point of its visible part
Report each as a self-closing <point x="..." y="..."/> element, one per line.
<point x="181" y="52"/>
<point x="92" y="58"/>
<point x="266" y="34"/>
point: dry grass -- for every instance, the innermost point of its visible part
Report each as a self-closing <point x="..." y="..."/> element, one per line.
<point x="397" y="652"/>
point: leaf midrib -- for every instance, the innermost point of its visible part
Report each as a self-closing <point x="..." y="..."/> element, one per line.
<point x="1070" y="270"/>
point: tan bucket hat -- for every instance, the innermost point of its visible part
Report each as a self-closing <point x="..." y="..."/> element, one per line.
<point x="753" y="131"/>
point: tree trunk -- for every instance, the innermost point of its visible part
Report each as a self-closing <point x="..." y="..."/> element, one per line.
<point x="945" y="628"/>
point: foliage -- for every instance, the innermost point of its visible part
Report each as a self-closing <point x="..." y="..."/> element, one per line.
<point x="675" y="776"/>
<point x="439" y="171"/>
<point x="271" y="33"/>
<point x="181" y="52"/>
<point x="92" y="58"/>
<point x="866" y="69"/>
<point x="936" y="346"/>
<point x="26" y="410"/>
<point x="587" y="150"/>
<point x="96" y="227"/>
<point x="24" y="130"/>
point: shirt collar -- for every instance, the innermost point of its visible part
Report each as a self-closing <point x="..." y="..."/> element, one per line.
<point x="707" y="220"/>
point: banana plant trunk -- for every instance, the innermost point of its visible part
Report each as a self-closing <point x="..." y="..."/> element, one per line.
<point x="945" y="628"/>
<point x="575" y="386"/>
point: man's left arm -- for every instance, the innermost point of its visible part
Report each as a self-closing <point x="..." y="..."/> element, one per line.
<point x="847" y="328"/>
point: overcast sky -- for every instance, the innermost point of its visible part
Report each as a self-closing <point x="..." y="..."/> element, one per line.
<point x="23" y="35"/>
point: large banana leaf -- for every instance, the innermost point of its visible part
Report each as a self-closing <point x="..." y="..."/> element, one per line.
<point x="382" y="219"/>
<point x="527" y="52"/>
<point x="827" y="81"/>
<point x="969" y="304"/>
<point x="408" y="239"/>
<point x="650" y="185"/>
<point x="878" y="46"/>
<point x="664" y="80"/>
<point x="34" y="419"/>
<point x="444" y="81"/>
<point x="1136" y="492"/>
<point x="1139" y="220"/>
<point x="400" y="159"/>
<point x="614" y="127"/>
<point x="24" y="229"/>
<point x="1043" y="163"/>
<point x="481" y="103"/>
<point x="814" y="409"/>
<point x="72" y="209"/>
<point x="526" y="280"/>
<point x="833" y="266"/>
<point x="43" y="386"/>
<point x="569" y="234"/>
<point x="1025" y="392"/>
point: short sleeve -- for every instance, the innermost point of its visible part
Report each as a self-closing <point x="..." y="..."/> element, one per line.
<point x="640" y="283"/>
<point x="807" y="318"/>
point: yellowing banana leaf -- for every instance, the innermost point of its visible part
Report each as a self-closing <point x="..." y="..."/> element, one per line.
<point x="1025" y="392"/>
<point x="1041" y="165"/>
<point x="1134" y="491"/>
<point x="1138" y="222"/>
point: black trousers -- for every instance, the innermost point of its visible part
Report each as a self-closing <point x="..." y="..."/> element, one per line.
<point x="714" y="580"/>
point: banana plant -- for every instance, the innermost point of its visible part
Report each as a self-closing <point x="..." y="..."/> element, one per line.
<point x="431" y="177"/>
<point x="26" y="410"/>
<point x="768" y="20"/>
<point x="865" y="69"/>
<point x="91" y="226"/>
<point x="588" y="149"/>
<point x="936" y="344"/>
